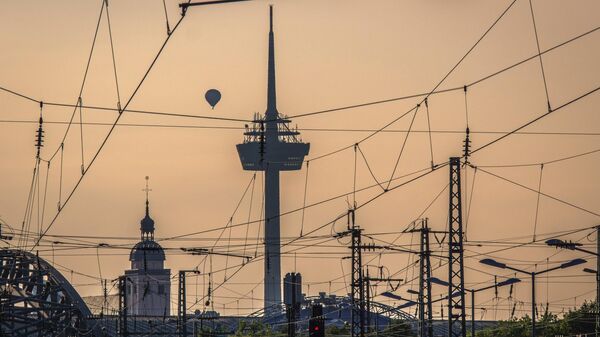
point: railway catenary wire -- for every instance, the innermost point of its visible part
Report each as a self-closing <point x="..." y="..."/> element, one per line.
<point x="513" y="132"/>
<point x="162" y="113"/>
<point x="112" y="128"/>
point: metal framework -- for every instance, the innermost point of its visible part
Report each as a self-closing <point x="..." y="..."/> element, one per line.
<point x="357" y="284"/>
<point x="367" y="280"/>
<point x="36" y="300"/>
<point x="425" y="310"/>
<point x="456" y="279"/>
<point x="181" y="316"/>
<point x="123" y="306"/>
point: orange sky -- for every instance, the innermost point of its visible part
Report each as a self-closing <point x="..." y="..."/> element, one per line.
<point x="328" y="54"/>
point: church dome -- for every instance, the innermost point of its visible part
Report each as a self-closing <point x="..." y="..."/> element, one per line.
<point x="148" y="250"/>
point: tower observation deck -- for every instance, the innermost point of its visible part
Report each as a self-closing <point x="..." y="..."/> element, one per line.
<point x="271" y="146"/>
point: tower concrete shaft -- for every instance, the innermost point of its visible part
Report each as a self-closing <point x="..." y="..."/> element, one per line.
<point x="272" y="240"/>
<point x="271" y="146"/>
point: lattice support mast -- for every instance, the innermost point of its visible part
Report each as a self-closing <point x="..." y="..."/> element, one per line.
<point x="456" y="279"/>
<point x="425" y="309"/>
<point x="357" y="282"/>
<point x="123" y="314"/>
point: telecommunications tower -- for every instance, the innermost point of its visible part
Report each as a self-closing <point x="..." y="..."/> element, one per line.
<point x="271" y="146"/>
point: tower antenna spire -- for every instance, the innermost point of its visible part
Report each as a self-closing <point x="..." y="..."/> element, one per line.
<point x="271" y="87"/>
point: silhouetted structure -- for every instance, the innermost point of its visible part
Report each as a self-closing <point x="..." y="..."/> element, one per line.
<point x="456" y="277"/>
<point x="148" y="291"/>
<point x="270" y="146"/>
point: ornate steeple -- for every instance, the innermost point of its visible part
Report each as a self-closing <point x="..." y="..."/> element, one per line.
<point x="147" y="224"/>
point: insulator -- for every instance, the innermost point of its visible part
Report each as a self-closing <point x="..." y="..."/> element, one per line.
<point x="496" y="285"/>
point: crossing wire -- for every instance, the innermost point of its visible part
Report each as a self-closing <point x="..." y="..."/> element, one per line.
<point x="429" y="132"/>
<point x="469" y="206"/>
<point x="249" y="213"/>
<point x="403" y="146"/>
<point x="478" y="81"/>
<point x="543" y="163"/>
<point x="369" y="168"/>
<point x="112" y="128"/>
<point x="81" y="133"/>
<point x="537" y="203"/>
<point x="541" y="193"/>
<point x="576" y="99"/>
<point x="85" y="74"/>
<point x="236" y="128"/>
<point x="114" y="61"/>
<point x="537" y="41"/>
<point x="304" y="200"/>
<point x="432" y="90"/>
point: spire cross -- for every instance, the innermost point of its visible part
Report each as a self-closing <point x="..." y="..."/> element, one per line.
<point x="147" y="189"/>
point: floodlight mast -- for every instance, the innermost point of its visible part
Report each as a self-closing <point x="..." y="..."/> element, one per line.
<point x="577" y="246"/>
<point x="494" y="263"/>
<point x="473" y="291"/>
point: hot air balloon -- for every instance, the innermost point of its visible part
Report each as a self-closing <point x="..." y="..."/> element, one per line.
<point x="212" y="96"/>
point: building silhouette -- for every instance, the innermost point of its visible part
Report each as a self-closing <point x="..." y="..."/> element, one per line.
<point x="270" y="145"/>
<point x="148" y="285"/>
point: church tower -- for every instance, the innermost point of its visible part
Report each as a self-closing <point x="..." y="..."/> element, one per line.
<point x="149" y="286"/>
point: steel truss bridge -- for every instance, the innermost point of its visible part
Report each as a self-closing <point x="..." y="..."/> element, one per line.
<point x="37" y="300"/>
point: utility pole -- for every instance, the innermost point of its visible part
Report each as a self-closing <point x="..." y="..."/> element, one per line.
<point x="496" y="264"/>
<point x="368" y="299"/>
<point x="425" y="310"/>
<point x="576" y="246"/>
<point x="181" y="302"/>
<point x="123" y="306"/>
<point x="357" y="284"/>
<point x="597" y="281"/>
<point x="456" y="277"/>
<point x="367" y="282"/>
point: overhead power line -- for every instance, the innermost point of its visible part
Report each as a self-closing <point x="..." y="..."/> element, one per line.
<point x="112" y="128"/>
<point x="332" y="130"/>
<point x="319" y="112"/>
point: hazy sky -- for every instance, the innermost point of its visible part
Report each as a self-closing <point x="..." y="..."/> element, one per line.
<point x="328" y="54"/>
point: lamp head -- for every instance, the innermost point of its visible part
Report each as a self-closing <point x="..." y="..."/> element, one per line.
<point x="493" y="263"/>
<point x="438" y="281"/>
<point x="509" y="281"/>
<point x="572" y="263"/>
<point x="562" y="244"/>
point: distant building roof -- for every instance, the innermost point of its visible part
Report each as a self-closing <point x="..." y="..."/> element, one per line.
<point x="149" y="250"/>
